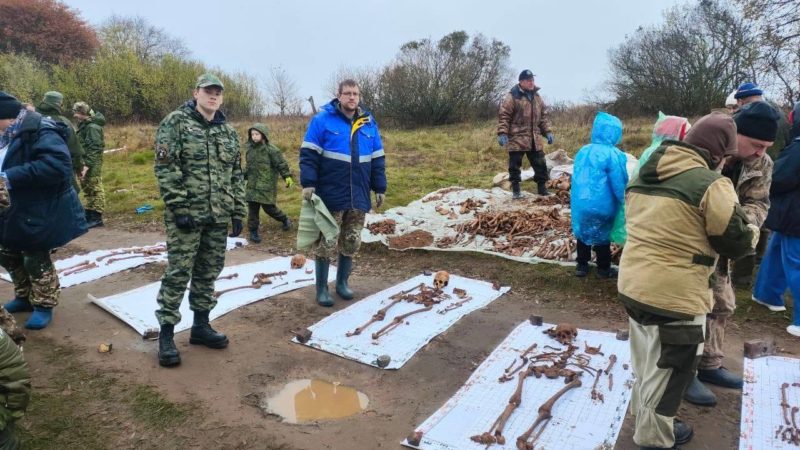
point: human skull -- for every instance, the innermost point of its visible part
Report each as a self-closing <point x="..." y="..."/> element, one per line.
<point x="564" y="333"/>
<point x="298" y="261"/>
<point x="440" y="279"/>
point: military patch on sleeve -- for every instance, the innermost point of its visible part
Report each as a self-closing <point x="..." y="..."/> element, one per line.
<point x="162" y="154"/>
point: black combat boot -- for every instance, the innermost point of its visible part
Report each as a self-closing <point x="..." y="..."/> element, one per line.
<point x="254" y="237"/>
<point x="515" y="192"/>
<point x="342" y="275"/>
<point x="93" y="218"/>
<point x="321" y="273"/>
<point x="203" y="334"/>
<point x="287" y="224"/>
<point x="542" y="188"/>
<point x="168" y="354"/>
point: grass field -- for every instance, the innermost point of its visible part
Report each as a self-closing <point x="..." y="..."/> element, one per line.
<point x="418" y="161"/>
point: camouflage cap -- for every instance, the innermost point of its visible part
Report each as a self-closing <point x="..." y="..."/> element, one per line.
<point x="82" y="108"/>
<point x="53" y="98"/>
<point x="208" y="79"/>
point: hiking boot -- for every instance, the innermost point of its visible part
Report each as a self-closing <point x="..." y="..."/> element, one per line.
<point x="321" y="273"/>
<point x="287" y="224"/>
<point x="683" y="432"/>
<point x="541" y="189"/>
<point x="168" y="354"/>
<point x="342" y="275"/>
<point x="515" y="192"/>
<point x="721" y="377"/>
<point x="203" y="334"/>
<point x="19" y="304"/>
<point x="254" y="237"/>
<point x="581" y="270"/>
<point x="40" y="318"/>
<point x="93" y="219"/>
<point x="698" y="394"/>
<point x="607" y="273"/>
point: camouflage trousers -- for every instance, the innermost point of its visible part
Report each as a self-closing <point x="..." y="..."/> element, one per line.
<point x="350" y="222"/>
<point x="33" y="275"/>
<point x="197" y="255"/>
<point x="93" y="189"/>
<point x="724" y="304"/>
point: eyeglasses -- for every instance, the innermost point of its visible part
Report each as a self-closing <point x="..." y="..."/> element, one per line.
<point x="350" y="94"/>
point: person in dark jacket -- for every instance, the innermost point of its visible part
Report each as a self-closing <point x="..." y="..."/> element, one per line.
<point x="341" y="161"/>
<point x="780" y="268"/>
<point x="265" y="163"/>
<point x="39" y="208"/>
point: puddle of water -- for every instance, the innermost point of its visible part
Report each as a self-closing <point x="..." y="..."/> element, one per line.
<point x="311" y="400"/>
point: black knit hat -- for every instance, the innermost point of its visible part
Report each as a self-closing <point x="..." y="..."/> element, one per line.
<point x="9" y="106"/>
<point x="526" y="75"/>
<point x="758" y="120"/>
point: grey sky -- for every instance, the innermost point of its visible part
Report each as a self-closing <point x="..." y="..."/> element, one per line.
<point x="564" y="42"/>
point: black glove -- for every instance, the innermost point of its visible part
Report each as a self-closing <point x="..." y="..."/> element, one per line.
<point x="184" y="221"/>
<point x="236" y="227"/>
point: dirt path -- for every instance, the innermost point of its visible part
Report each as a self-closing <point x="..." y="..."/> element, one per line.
<point x="221" y="389"/>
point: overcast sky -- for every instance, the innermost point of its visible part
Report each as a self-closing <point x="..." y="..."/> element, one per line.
<point x="564" y="42"/>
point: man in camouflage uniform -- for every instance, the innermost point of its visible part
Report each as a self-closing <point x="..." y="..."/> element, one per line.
<point x="51" y="107"/>
<point x="751" y="173"/>
<point x="199" y="173"/>
<point x="90" y="132"/>
<point x="341" y="161"/>
<point x="15" y="389"/>
<point x="523" y="119"/>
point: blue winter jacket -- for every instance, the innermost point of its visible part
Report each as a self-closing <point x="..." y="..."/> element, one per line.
<point x="45" y="211"/>
<point x="598" y="182"/>
<point x="343" y="159"/>
<point x="784" y="192"/>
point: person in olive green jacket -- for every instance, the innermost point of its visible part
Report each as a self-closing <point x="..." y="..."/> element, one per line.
<point x="264" y="163"/>
<point x="90" y="132"/>
<point x="51" y="107"/>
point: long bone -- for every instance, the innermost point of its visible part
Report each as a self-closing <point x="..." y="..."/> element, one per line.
<point x="83" y="268"/>
<point x="495" y="433"/>
<point x="76" y="266"/>
<point x="545" y="414"/>
<point x="381" y="313"/>
<point x="397" y="321"/>
<point x="259" y="280"/>
<point x="156" y="249"/>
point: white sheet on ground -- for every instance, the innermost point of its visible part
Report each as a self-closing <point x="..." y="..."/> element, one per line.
<point x="137" y="307"/>
<point x="107" y="266"/>
<point x="405" y="340"/>
<point x="578" y="421"/>
<point x="762" y="415"/>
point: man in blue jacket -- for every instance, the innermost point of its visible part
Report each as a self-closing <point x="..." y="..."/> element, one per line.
<point x="341" y="161"/>
<point x="39" y="208"/>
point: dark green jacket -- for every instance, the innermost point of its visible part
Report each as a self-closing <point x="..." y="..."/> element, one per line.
<point x="73" y="143"/>
<point x="90" y="132"/>
<point x="15" y="382"/>
<point x="198" y="166"/>
<point x="264" y="163"/>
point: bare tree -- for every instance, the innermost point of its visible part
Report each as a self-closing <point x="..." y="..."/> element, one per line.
<point x="121" y="34"/>
<point x="687" y="65"/>
<point x="282" y="93"/>
<point x="778" y="25"/>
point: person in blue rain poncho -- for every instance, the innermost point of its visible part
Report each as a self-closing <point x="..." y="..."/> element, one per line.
<point x="598" y="192"/>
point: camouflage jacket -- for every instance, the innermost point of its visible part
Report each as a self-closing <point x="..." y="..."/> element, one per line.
<point x="523" y="117"/>
<point x="264" y="163"/>
<point x="15" y="382"/>
<point x="73" y="143"/>
<point x="752" y="180"/>
<point x="198" y="166"/>
<point x="90" y="132"/>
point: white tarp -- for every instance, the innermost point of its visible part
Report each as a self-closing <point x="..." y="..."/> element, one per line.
<point x="762" y="420"/>
<point x="111" y="261"/>
<point x="578" y="422"/>
<point x="403" y="342"/>
<point x="423" y="215"/>
<point x="137" y="307"/>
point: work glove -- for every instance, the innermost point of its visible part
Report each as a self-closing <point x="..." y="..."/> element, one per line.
<point x="289" y="182"/>
<point x="307" y="193"/>
<point x="550" y="138"/>
<point x="379" y="198"/>
<point x="502" y="139"/>
<point x="236" y="227"/>
<point x="184" y="222"/>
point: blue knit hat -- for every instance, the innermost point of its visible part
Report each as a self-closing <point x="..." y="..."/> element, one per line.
<point x="747" y="90"/>
<point x="9" y="106"/>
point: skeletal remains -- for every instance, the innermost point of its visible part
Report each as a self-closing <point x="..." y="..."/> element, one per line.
<point x="790" y="433"/>
<point x="259" y="280"/>
<point x="298" y="261"/>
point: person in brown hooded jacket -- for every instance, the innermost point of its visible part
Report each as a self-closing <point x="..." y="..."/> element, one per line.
<point x="681" y="215"/>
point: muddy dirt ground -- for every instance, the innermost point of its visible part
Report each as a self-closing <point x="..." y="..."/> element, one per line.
<point x="225" y="387"/>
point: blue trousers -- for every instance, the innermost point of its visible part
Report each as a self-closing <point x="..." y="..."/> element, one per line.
<point x="780" y="270"/>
